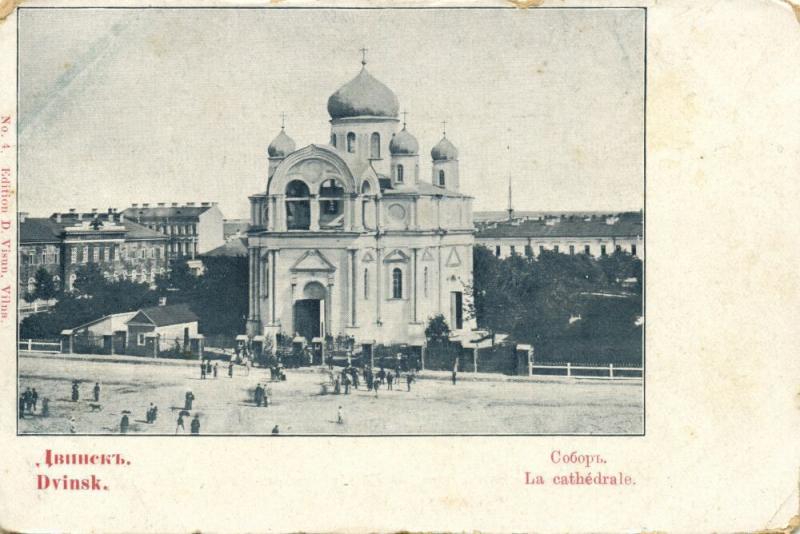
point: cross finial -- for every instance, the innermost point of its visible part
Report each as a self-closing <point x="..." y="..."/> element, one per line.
<point x="283" y="121"/>
<point x="444" y="128"/>
<point x="404" y="119"/>
<point x="363" y="55"/>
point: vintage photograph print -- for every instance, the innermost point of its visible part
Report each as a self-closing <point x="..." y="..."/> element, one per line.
<point x="331" y="222"/>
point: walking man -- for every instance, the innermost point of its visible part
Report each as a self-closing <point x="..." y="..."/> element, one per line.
<point x="202" y="370"/>
<point x="259" y="394"/>
<point x="189" y="398"/>
<point x="45" y="407"/>
<point x="216" y="367"/>
<point x="21" y="405"/>
<point x="34" y="398"/>
<point x="208" y="367"/>
<point x="230" y="369"/>
<point x="409" y="379"/>
<point x="97" y="391"/>
<point x="195" y="428"/>
<point x="123" y="424"/>
<point x="339" y="416"/>
<point x="180" y="424"/>
<point x="454" y="376"/>
<point x="389" y="380"/>
<point x="75" y="393"/>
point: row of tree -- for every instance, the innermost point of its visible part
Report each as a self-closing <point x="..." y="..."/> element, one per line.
<point x="218" y="297"/>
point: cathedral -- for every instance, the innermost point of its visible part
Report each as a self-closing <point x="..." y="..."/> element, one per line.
<point x="348" y="238"/>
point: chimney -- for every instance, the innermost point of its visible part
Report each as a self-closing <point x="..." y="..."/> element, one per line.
<point x="161" y="204"/>
<point x="58" y="217"/>
<point x="174" y="204"/>
<point x="134" y="205"/>
<point x="190" y="204"/>
<point x="72" y="210"/>
<point x="205" y="203"/>
<point x="22" y="216"/>
<point x="80" y="216"/>
<point x="145" y="205"/>
<point x="94" y="210"/>
<point x="121" y="217"/>
<point x="162" y="301"/>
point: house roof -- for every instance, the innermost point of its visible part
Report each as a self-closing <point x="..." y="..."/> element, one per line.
<point x="623" y="225"/>
<point x="170" y="314"/>
<point x="138" y="231"/>
<point x="166" y="212"/>
<point x="235" y="247"/>
<point x="39" y="230"/>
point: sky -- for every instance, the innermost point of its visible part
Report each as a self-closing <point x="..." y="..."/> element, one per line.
<point x="169" y="105"/>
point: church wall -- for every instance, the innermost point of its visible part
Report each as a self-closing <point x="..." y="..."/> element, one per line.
<point x="364" y="128"/>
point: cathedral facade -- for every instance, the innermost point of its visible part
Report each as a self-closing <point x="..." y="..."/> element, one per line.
<point x="348" y="238"/>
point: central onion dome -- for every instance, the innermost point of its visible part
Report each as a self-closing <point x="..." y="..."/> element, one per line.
<point x="403" y="143"/>
<point x="444" y="150"/>
<point x="363" y="96"/>
<point x="281" y="146"/>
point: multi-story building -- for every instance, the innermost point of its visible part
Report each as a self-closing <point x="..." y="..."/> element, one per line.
<point x="65" y="242"/>
<point x="593" y="234"/>
<point x="192" y="228"/>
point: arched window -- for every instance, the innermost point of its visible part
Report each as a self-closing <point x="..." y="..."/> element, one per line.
<point x="425" y="281"/>
<point x="298" y="206"/>
<point x="351" y="142"/>
<point x="397" y="283"/>
<point x="366" y="284"/>
<point x="400" y="174"/>
<point x="441" y="178"/>
<point x="331" y="204"/>
<point x="333" y="140"/>
<point x="366" y="189"/>
<point x="375" y="146"/>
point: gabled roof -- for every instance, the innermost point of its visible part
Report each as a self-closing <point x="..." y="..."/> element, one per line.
<point x="167" y="315"/>
<point x="137" y="231"/>
<point x="233" y="248"/>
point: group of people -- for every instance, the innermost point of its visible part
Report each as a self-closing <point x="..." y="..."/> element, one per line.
<point x="262" y="395"/>
<point x="194" y="426"/>
<point x="28" y="401"/>
<point x="206" y="369"/>
<point x="374" y="380"/>
<point x="152" y="414"/>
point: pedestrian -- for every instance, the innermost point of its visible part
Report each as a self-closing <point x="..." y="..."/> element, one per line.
<point x="208" y="366"/>
<point x="149" y="417"/>
<point x="409" y="379"/>
<point x="355" y="378"/>
<point x="97" y="391"/>
<point x="267" y="396"/>
<point x="375" y="385"/>
<point x="259" y="394"/>
<point x="75" y="392"/>
<point x="34" y="398"/>
<point x="397" y="373"/>
<point x="381" y="375"/>
<point x="28" y="402"/>
<point x="22" y="406"/>
<point x="336" y="386"/>
<point x="180" y="424"/>
<point x="189" y="398"/>
<point x="45" y="407"/>
<point x="195" y="428"/>
<point x="202" y="370"/>
<point x="155" y="413"/>
<point x="339" y="416"/>
<point x="123" y="424"/>
<point x="247" y="367"/>
<point x="346" y="380"/>
<point x="230" y="369"/>
<point x="275" y="430"/>
<point x="389" y="381"/>
<point x="454" y="376"/>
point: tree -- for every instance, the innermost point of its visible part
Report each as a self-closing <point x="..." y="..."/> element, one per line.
<point x="45" y="286"/>
<point x="437" y="329"/>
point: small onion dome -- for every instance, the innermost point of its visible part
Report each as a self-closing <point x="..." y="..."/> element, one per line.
<point x="281" y="146"/>
<point x="404" y="143"/>
<point x="444" y="150"/>
<point x="363" y="96"/>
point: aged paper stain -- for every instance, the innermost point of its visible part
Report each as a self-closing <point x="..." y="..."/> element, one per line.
<point x="7" y="6"/>
<point x="525" y="4"/>
<point x="795" y="8"/>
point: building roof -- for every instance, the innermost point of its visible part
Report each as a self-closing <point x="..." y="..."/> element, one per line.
<point x="281" y="146"/>
<point x="137" y="231"/>
<point x="166" y="212"/>
<point x="425" y="188"/>
<point x="167" y="315"/>
<point x="39" y="230"/>
<point x="236" y="247"/>
<point x="624" y="224"/>
<point x="403" y="143"/>
<point x="444" y="150"/>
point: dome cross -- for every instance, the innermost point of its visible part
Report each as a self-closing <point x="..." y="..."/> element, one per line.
<point x="444" y="128"/>
<point x="363" y="55"/>
<point x="283" y="121"/>
<point x="404" y="113"/>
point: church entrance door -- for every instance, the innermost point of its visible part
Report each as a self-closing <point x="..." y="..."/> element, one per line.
<point x="308" y="318"/>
